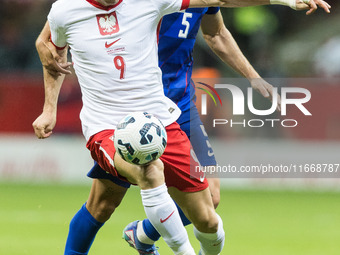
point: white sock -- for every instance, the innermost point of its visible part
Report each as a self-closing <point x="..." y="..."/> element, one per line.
<point x="163" y="215"/>
<point x="211" y="243"/>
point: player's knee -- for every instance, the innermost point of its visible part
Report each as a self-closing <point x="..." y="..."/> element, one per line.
<point x="151" y="175"/>
<point x="207" y="223"/>
<point x="104" y="211"/>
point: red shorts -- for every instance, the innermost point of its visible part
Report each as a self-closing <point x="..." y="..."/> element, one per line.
<point x="177" y="158"/>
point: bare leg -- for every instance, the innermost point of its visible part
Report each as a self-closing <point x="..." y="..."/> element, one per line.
<point x="159" y="207"/>
<point x="198" y="207"/>
<point x="105" y="196"/>
<point x="208" y="226"/>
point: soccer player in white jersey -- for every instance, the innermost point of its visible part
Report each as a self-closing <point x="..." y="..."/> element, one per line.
<point x="70" y="25"/>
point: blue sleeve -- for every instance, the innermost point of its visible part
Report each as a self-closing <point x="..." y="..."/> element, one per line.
<point x="213" y="10"/>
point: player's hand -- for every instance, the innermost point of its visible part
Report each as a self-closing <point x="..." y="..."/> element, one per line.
<point x="51" y="60"/>
<point x="312" y="5"/>
<point x="266" y="90"/>
<point x="44" y="125"/>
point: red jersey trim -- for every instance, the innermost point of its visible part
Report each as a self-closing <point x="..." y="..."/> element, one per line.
<point x="58" y="48"/>
<point x="103" y="7"/>
<point x="185" y="4"/>
<point x="158" y="29"/>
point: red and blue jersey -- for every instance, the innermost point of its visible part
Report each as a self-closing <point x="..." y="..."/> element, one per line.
<point x="177" y="36"/>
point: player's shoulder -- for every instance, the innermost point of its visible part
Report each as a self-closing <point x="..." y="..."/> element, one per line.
<point x="64" y="10"/>
<point x="60" y="4"/>
<point x="63" y="6"/>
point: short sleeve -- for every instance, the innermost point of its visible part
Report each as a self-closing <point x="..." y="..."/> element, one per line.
<point x="58" y="37"/>
<point x="170" y="6"/>
<point x="213" y="10"/>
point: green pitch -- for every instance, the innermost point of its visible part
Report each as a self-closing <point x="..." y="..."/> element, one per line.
<point x="34" y="220"/>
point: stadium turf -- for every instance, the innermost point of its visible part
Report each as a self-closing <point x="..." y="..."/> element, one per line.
<point x="34" y="220"/>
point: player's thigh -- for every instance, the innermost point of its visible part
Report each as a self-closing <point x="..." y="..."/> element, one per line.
<point x="103" y="151"/>
<point x="146" y="176"/>
<point x="105" y="196"/>
<point x="198" y="207"/>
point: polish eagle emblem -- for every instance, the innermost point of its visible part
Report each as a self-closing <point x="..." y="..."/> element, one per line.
<point x="108" y="23"/>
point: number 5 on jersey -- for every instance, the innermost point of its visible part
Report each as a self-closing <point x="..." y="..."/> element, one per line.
<point x="120" y="66"/>
<point x="184" y="33"/>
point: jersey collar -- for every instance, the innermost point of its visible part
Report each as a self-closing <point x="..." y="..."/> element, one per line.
<point x="102" y="7"/>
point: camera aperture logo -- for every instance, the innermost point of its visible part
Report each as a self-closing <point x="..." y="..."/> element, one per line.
<point x="239" y="101"/>
<point x="204" y="96"/>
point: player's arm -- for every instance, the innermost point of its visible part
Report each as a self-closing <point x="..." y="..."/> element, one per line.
<point x="310" y="5"/>
<point x="224" y="45"/>
<point x="45" y="123"/>
<point x="49" y="57"/>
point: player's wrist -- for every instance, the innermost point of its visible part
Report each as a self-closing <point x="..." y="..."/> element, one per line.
<point x="50" y="107"/>
<point x="290" y="3"/>
<point x="252" y="75"/>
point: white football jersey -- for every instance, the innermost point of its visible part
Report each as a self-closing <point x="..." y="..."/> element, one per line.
<point x="114" y="50"/>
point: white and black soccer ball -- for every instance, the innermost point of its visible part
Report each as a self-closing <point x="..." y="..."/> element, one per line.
<point x="140" y="138"/>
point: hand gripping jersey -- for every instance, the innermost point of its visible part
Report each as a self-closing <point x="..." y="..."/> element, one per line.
<point x="114" y="50"/>
<point x="177" y="37"/>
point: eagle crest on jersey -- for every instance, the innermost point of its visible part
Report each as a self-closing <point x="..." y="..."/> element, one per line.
<point x="108" y="23"/>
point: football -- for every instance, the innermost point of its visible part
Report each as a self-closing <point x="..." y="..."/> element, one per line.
<point x="140" y="138"/>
